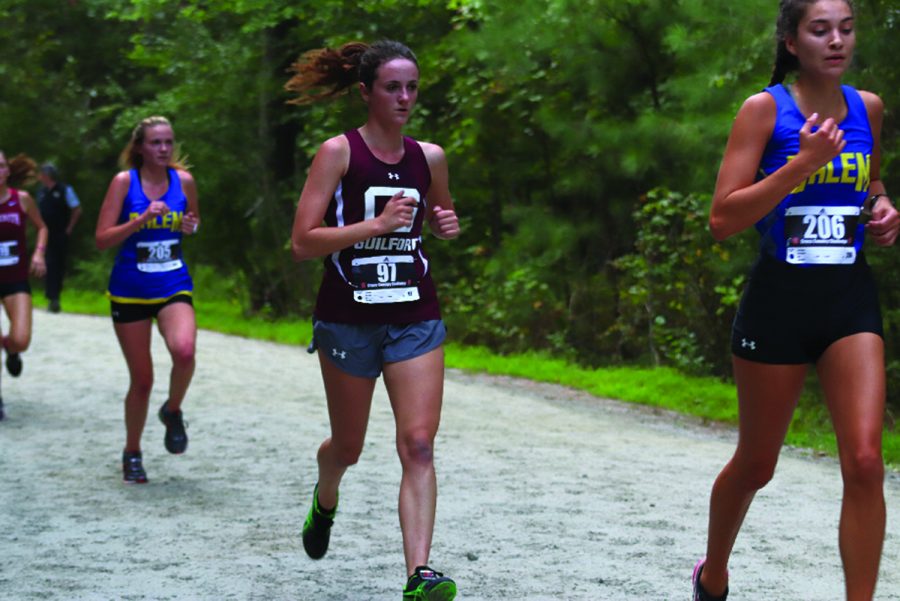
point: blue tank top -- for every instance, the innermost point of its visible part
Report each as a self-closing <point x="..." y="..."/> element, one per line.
<point x="385" y="279"/>
<point x="149" y="267"/>
<point x="818" y="222"/>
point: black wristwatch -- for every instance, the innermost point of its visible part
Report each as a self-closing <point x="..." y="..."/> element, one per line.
<point x="865" y="214"/>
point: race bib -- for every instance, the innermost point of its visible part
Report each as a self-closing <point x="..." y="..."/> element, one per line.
<point x="9" y="253"/>
<point x="158" y="256"/>
<point x="384" y="279"/>
<point x="816" y="235"/>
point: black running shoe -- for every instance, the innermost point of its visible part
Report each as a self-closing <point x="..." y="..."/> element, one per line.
<point x="317" y="528"/>
<point x="700" y="593"/>
<point x="427" y="585"/>
<point x="176" y="440"/>
<point x="14" y="364"/>
<point x="133" y="468"/>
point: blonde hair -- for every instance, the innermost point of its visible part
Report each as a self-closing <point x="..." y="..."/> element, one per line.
<point x="130" y="158"/>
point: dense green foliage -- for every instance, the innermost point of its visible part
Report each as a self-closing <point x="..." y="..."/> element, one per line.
<point x="583" y="140"/>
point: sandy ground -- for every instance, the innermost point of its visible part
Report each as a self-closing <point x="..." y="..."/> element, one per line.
<point x="545" y="494"/>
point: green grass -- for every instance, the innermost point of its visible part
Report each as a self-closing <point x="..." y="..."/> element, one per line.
<point x="663" y="387"/>
<point x="212" y="314"/>
<point x="702" y="397"/>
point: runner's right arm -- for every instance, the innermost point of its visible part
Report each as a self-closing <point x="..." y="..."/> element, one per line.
<point x="739" y="200"/>
<point x="309" y="237"/>
<point x="109" y="231"/>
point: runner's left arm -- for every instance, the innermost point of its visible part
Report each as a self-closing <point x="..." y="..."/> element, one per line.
<point x="191" y="221"/>
<point x="38" y="264"/>
<point x="885" y="223"/>
<point x="442" y="219"/>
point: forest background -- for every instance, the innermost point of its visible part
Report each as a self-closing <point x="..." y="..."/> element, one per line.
<point x="583" y="140"/>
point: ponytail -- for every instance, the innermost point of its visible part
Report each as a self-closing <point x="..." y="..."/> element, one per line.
<point x="325" y="69"/>
<point x="335" y="71"/>
<point x="785" y="62"/>
<point x="22" y="171"/>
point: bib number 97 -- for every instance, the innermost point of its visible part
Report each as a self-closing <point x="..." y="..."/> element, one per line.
<point x="387" y="272"/>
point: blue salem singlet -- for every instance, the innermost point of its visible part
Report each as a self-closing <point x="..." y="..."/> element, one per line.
<point x="385" y="279"/>
<point x="149" y="267"/>
<point x="818" y="222"/>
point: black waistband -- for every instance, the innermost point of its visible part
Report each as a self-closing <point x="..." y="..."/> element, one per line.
<point x="821" y="276"/>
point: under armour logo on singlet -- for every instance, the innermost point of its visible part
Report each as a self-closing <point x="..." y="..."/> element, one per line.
<point x="392" y="175"/>
<point x="337" y="353"/>
<point x="750" y="344"/>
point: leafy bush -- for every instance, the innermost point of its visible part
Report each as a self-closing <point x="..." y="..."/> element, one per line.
<point x="679" y="287"/>
<point x="510" y="301"/>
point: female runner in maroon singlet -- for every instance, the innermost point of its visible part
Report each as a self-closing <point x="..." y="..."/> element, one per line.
<point x="377" y="309"/>
<point x="15" y="291"/>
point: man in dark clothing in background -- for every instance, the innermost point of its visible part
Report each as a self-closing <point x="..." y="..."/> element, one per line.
<point x="60" y="209"/>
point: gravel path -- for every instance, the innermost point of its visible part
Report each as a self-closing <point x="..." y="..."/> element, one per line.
<point x="545" y="493"/>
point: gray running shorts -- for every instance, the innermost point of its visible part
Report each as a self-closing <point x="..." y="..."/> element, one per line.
<point x="362" y="349"/>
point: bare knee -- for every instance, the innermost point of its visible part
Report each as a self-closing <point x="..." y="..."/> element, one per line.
<point x="416" y="449"/>
<point x="183" y="352"/>
<point x="141" y="384"/>
<point x="752" y="474"/>
<point x="17" y="342"/>
<point x="864" y="468"/>
<point x="344" y="454"/>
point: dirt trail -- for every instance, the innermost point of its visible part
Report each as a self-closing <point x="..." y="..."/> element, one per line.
<point x="545" y="494"/>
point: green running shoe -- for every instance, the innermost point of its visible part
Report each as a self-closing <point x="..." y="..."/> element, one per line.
<point x="427" y="585"/>
<point x="317" y="528"/>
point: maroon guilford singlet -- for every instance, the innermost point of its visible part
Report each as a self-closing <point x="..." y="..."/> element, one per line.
<point x="13" y="250"/>
<point x="385" y="279"/>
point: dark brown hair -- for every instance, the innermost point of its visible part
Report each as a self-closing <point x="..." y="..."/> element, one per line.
<point x="22" y="170"/>
<point x="333" y="71"/>
<point x="790" y="13"/>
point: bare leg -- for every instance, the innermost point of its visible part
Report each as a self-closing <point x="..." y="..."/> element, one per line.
<point x="134" y="338"/>
<point x="349" y="401"/>
<point x="852" y="375"/>
<point x="416" y="388"/>
<point x="767" y="396"/>
<point x="18" y="307"/>
<point x="178" y="327"/>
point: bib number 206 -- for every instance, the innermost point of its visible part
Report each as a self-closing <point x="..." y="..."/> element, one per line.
<point x="824" y="227"/>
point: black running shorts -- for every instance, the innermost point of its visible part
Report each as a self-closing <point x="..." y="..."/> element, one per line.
<point x="790" y="314"/>
<point x="14" y="288"/>
<point x="129" y="312"/>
